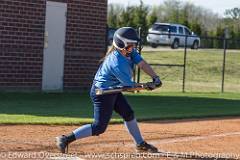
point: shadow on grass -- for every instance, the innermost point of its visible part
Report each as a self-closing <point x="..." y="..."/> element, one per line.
<point x="146" y="107"/>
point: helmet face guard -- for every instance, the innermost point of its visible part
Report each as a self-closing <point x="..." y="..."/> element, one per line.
<point x="125" y="36"/>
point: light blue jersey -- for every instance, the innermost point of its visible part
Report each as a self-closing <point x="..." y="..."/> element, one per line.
<point x="117" y="70"/>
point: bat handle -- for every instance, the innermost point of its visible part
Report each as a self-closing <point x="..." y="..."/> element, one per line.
<point x="141" y="85"/>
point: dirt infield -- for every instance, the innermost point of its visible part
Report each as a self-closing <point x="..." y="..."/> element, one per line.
<point x="204" y="138"/>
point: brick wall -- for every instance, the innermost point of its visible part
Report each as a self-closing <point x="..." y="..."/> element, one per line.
<point x="21" y="43"/>
<point x="22" y="24"/>
<point x="85" y="41"/>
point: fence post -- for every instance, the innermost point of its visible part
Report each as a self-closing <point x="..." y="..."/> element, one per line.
<point x="225" y="37"/>
<point x="223" y="66"/>
<point x="184" y="65"/>
<point x="140" y="50"/>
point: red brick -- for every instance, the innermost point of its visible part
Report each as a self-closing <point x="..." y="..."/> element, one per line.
<point x="22" y="24"/>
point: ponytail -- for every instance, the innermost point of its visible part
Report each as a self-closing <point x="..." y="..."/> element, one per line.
<point x="110" y="50"/>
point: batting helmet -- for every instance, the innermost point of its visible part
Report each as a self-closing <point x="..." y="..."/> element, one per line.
<point x="123" y="36"/>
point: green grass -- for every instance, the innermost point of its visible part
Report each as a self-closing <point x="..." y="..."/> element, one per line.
<point x="74" y="108"/>
<point x="203" y="84"/>
<point x="203" y="70"/>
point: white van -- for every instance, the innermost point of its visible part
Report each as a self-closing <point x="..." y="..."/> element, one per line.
<point x="173" y="35"/>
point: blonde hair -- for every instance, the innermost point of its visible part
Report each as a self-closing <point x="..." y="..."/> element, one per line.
<point x="110" y="50"/>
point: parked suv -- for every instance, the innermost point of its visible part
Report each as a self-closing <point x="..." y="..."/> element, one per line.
<point x="175" y="40"/>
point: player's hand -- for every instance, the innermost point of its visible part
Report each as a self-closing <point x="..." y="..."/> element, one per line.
<point x="157" y="81"/>
<point x="149" y="86"/>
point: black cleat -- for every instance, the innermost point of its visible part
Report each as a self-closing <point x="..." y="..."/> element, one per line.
<point x="145" y="147"/>
<point x="62" y="143"/>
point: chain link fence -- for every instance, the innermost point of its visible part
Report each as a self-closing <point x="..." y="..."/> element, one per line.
<point x="213" y="67"/>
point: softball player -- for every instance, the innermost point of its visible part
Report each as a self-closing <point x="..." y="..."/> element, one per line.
<point x="115" y="70"/>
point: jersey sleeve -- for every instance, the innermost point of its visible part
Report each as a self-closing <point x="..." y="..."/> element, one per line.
<point x="136" y="57"/>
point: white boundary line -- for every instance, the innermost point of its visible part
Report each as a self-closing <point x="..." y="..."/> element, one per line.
<point x="176" y="140"/>
<point x="193" y="138"/>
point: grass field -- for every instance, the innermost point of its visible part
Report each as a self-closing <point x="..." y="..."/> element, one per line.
<point x="203" y="98"/>
<point x="203" y="70"/>
<point x="74" y="108"/>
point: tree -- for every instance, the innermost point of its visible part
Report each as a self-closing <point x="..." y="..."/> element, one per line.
<point x="219" y="33"/>
<point x="232" y="43"/>
<point x="140" y="18"/>
<point x="195" y="27"/>
<point x="233" y="13"/>
<point x="232" y="21"/>
<point x="184" y="15"/>
<point x="126" y="17"/>
<point x="113" y="14"/>
<point x="172" y="10"/>
<point x="152" y="17"/>
<point x="200" y="20"/>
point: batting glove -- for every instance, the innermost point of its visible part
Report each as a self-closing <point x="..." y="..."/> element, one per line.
<point x="157" y="81"/>
<point x="150" y="86"/>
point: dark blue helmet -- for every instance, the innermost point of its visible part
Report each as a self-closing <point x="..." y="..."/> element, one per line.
<point x="123" y="36"/>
